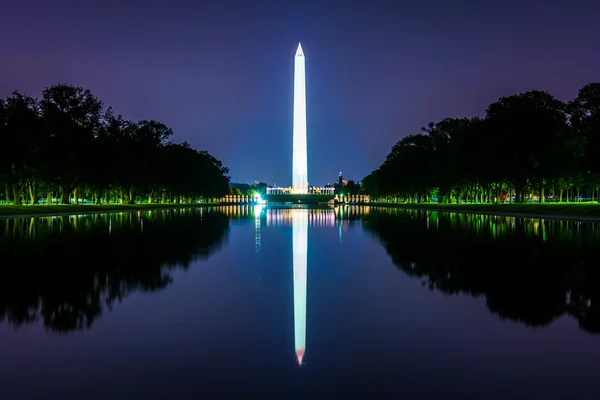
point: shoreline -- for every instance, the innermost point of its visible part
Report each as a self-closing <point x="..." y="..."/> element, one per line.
<point x="72" y="209"/>
<point x="574" y="211"/>
<point x="481" y="209"/>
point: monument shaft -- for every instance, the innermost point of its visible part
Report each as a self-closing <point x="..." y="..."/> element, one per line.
<point x="299" y="157"/>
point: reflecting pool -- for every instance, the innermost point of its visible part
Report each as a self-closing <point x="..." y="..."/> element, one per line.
<point x="294" y="302"/>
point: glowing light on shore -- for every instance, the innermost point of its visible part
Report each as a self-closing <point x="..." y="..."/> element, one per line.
<point x="300" y="259"/>
<point x="299" y="160"/>
<point x="259" y="200"/>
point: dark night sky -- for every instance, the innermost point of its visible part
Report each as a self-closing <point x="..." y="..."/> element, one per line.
<point x="220" y="72"/>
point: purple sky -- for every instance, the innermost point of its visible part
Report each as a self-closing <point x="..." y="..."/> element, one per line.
<point x="220" y="72"/>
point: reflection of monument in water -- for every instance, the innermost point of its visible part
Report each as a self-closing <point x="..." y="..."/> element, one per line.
<point x="300" y="219"/>
<point x="300" y="260"/>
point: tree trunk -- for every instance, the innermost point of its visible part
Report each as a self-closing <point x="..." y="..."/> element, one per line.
<point x="151" y="196"/>
<point x="7" y="190"/>
<point x="542" y="200"/>
<point x="16" y="195"/>
<point x="7" y="193"/>
<point x="64" y="195"/>
<point x="76" y="196"/>
<point x="33" y="192"/>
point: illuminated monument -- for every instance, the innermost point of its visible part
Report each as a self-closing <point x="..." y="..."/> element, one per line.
<point x="299" y="153"/>
<point x="300" y="255"/>
<point x="299" y="162"/>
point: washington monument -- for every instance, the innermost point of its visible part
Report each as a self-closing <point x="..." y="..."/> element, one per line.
<point x="299" y="161"/>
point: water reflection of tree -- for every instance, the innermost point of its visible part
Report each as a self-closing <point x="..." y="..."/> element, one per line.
<point x="67" y="270"/>
<point x="529" y="270"/>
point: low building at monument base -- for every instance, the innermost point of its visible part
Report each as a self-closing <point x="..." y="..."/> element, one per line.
<point x="290" y="191"/>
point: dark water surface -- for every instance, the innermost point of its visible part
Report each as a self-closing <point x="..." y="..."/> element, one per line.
<point x="237" y="302"/>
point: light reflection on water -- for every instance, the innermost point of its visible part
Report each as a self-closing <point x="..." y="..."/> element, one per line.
<point x="421" y="243"/>
<point x="67" y="270"/>
<point x="300" y="223"/>
<point x="530" y="270"/>
<point x="367" y="320"/>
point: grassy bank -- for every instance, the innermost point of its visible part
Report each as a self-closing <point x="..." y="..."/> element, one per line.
<point x="42" y="210"/>
<point x="547" y="210"/>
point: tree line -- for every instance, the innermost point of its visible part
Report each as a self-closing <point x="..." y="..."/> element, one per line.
<point x="67" y="147"/>
<point x="528" y="147"/>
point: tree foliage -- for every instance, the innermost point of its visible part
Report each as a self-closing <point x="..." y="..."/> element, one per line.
<point x="66" y="146"/>
<point x="529" y="146"/>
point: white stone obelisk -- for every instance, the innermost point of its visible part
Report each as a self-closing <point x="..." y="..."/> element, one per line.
<point x="299" y="157"/>
<point x="300" y="261"/>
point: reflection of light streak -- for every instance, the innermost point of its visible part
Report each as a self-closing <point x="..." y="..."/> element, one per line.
<point x="282" y="217"/>
<point x="300" y="254"/>
<point x="257" y="211"/>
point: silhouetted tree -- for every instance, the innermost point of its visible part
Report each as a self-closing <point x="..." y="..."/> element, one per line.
<point x="352" y="187"/>
<point x="67" y="146"/>
<point x="528" y="145"/>
<point x="585" y="119"/>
